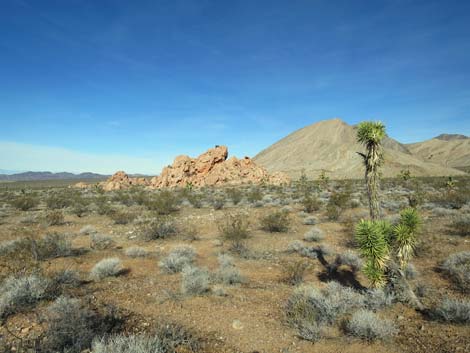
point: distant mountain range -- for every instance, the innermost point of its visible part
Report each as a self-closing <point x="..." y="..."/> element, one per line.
<point x="331" y="146"/>
<point x="28" y="176"/>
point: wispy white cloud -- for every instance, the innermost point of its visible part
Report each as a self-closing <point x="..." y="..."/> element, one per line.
<point x="19" y="156"/>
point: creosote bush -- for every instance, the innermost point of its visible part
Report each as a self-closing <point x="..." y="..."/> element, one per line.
<point x="122" y="216"/>
<point x="159" y="227"/>
<point x="369" y="326"/>
<point x="163" y="203"/>
<point x="25" y="202"/>
<point x="234" y="227"/>
<point x="55" y="218"/>
<point x="293" y="272"/>
<point x="110" y="267"/>
<point x="178" y="258"/>
<point x="234" y="194"/>
<point x="276" y="222"/>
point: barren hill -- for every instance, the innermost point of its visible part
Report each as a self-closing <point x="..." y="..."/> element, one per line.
<point x="331" y="145"/>
<point x="447" y="150"/>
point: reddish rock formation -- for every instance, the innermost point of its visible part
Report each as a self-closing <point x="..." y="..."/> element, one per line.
<point x="213" y="168"/>
<point x="210" y="168"/>
<point x="120" y="180"/>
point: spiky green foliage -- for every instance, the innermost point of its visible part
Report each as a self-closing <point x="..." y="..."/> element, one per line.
<point x="372" y="238"/>
<point x="405" y="235"/>
<point x="370" y="134"/>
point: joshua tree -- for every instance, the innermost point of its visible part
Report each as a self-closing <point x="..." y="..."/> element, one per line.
<point x="370" y="134"/>
<point x="387" y="250"/>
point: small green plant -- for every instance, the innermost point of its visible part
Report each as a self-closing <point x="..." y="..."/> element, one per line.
<point x="159" y="227"/>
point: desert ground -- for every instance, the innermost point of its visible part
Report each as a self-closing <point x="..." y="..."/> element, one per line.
<point x="216" y="269"/>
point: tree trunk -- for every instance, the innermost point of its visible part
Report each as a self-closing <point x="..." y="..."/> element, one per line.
<point x="399" y="286"/>
<point x="372" y="162"/>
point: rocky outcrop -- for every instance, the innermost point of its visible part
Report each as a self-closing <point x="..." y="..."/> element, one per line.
<point x="120" y="180"/>
<point x="213" y="168"/>
<point x="210" y="168"/>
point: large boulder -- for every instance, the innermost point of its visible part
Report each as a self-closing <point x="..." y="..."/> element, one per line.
<point x="120" y="180"/>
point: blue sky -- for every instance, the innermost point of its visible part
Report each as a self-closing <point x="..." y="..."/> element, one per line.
<point x="90" y="85"/>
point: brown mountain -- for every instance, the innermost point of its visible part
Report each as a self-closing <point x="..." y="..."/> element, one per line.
<point x="330" y="145"/>
<point x="449" y="150"/>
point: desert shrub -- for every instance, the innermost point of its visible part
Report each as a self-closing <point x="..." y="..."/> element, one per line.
<point x="167" y="338"/>
<point x="122" y="216"/>
<point x="254" y="194"/>
<point x="349" y="259"/>
<point x="101" y="241"/>
<point x="103" y="206"/>
<point x="160" y="227"/>
<point x="178" y="258"/>
<point x="295" y="246"/>
<point x="71" y="325"/>
<point x="164" y="203"/>
<point x="55" y="218"/>
<point x="88" y="230"/>
<point x="53" y="245"/>
<point x="195" y="200"/>
<point x="234" y="228"/>
<point x="309" y="305"/>
<point x="218" y="203"/>
<point x="311" y="203"/>
<point x="79" y="207"/>
<point x="461" y="225"/>
<point x="457" y="267"/>
<point x="377" y="298"/>
<point x="333" y="212"/>
<point x="452" y="310"/>
<point x="236" y="195"/>
<point x="276" y="222"/>
<point x="58" y="200"/>
<point x="367" y="325"/>
<point x="67" y="278"/>
<point x="109" y="267"/>
<point x="25" y="202"/>
<point x="136" y="251"/>
<point x="293" y="272"/>
<point x="20" y="293"/>
<point x="227" y="272"/>
<point x="194" y="280"/>
<point x="314" y="235"/>
<point x="309" y="221"/>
